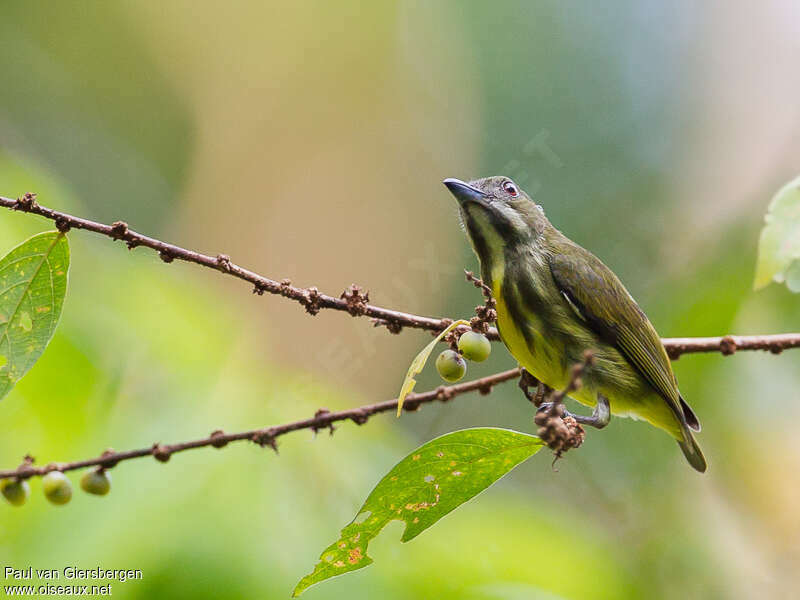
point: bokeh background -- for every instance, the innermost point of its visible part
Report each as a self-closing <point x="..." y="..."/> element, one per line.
<point x="308" y="140"/>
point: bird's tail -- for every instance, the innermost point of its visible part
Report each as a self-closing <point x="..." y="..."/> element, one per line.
<point x="691" y="450"/>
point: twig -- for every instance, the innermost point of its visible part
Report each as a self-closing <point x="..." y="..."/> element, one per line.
<point x="268" y="435"/>
<point x="574" y="383"/>
<point x="560" y="431"/>
<point x="353" y="301"/>
<point x="486" y="313"/>
<point x="730" y="344"/>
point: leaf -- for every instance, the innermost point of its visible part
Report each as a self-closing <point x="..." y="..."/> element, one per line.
<point x="779" y="245"/>
<point x="33" y="282"/>
<point x="419" y="363"/>
<point x="422" y="488"/>
<point x="792" y="274"/>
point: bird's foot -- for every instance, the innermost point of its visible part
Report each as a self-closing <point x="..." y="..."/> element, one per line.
<point x="600" y="417"/>
<point x="526" y="382"/>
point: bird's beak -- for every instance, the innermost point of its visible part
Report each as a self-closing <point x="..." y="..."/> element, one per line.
<point x="464" y="192"/>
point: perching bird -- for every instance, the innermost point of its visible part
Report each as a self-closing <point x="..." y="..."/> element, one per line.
<point x="556" y="300"/>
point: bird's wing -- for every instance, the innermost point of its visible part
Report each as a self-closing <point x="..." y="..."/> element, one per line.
<point x="592" y="290"/>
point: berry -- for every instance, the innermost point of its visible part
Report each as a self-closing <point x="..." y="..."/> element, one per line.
<point x="474" y="346"/>
<point x="96" y="482"/>
<point x="57" y="487"/>
<point x="451" y="366"/>
<point x="16" y="492"/>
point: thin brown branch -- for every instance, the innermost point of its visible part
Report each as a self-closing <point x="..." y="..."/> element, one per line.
<point x="730" y="344"/>
<point x="558" y="429"/>
<point x="353" y="301"/>
<point x="267" y="436"/>
<point x="574" y="383"/>
<point x="311" y="298"/>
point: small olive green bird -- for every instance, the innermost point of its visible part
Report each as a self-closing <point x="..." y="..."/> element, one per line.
<point x="556" y="300"/>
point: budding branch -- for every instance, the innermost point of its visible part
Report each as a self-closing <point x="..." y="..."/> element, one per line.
<point x="323" y="419"/>
<point x="353" y="301"/>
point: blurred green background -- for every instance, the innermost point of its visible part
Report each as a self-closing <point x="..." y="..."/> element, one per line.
<point x="308" y="140"/>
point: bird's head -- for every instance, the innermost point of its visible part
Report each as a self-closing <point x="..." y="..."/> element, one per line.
<point x="496" y="212"/>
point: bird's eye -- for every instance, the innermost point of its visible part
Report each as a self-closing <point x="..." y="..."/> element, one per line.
<point x="510" y="189"/>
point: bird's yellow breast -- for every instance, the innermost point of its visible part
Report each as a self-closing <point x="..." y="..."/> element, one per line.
<point x="542" y="358"/>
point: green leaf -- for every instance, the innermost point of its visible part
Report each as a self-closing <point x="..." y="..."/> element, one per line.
<point x="779" y="245"/>
<point x="33" y="282"/>
<point x="422" y="488"/>
<point x="419" y="363"/>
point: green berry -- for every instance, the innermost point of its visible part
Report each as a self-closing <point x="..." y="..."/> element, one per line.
<point x="16" y="492"/>
<point x="451" y="366"/>
<point x="57" y="487"/>
<point x="96" y="482"/>
<point x="474" y="346"/>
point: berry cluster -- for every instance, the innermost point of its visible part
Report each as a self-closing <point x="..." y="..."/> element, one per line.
<point x="56" y="487"/>
<point x="471" y="346"/>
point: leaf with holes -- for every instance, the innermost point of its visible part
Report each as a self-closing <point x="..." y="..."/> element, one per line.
<point x="33" y="282"/>
<point x="779" y="245"/>
<point x="422" y="488"/>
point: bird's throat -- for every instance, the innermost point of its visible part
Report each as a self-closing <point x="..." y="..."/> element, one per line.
<point x="488" y="245"/>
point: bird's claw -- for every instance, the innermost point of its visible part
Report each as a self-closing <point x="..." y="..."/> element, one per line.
<point x="600" y="417"/>
<point x="526" y="382"/>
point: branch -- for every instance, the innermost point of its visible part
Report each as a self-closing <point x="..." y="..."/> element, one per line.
<point x="353" y="300"/>
<point x="267" y="436"/>
<point x="730" y="344"/>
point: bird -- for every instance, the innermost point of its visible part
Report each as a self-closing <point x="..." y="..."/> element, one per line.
<point x="556" y="301"/>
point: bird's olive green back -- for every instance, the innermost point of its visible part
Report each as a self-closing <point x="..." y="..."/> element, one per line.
<point x="608" y="308"/>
